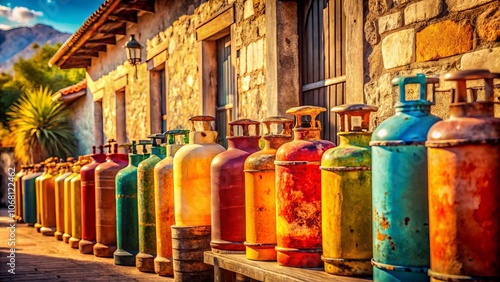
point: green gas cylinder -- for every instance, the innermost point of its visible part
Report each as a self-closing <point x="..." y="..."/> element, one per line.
<point x="144" y="260"/>
<point x="127" y="241"/>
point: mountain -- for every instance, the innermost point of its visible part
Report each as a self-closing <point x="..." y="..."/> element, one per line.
<point x="17" y="43"/>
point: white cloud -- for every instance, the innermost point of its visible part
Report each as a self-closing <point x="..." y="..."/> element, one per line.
<point x="5" y="27"/>
<point x="19" y="14"/>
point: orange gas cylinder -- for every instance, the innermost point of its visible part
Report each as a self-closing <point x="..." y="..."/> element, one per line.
<point x="67" y="203"/>
<point x="87" y="176"/>
<point x="76" y="207"/>
<point x="64" y="172"/>
<point x="105" y="196"/>
<point x="298" y="192"/>
<point x="47" y="201"/>
<point x="260" y="191"/>
<point x="228" y="189"/>
<point x="164" y="203"/>
<point x="38" y="196"/>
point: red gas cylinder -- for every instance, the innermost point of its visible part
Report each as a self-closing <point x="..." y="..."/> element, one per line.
<point x="87" y="174"/>
<point x="105" y="202"/>
<point x="228" y="189"/>
<point x="298" y="192"/>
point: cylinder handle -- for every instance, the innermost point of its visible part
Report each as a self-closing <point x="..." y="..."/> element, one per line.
<point x="127" y="147"/>
<point x="93" y="150"/>
<point x="354" y="110"/>
<point x="459" y="95"/>
<point x="312" y="111"/>
<point x="206" y="122"/>
<point x="144" y="143"/>
<point x="101" y="149"/>
<point x="420" y="79"/>
<point x="172" y="133"/>
<point x="156" y="136"/>
<point x="244" y="123"/>
<point x="286" y="122"/>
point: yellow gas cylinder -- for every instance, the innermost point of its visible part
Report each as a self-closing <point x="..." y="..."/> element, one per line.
<point x="38" y="196"/>
<point x="47" y="201"/>
<point x="192" y="202"/>
<point x="64" y="172"/>
<point x="164" y="202"/>
<point x="260" y="188"/>
<point x="67" y="203"/>
<point x="76" y="205"/>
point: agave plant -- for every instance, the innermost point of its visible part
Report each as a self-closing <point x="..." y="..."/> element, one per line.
<point x="40" y="127"/>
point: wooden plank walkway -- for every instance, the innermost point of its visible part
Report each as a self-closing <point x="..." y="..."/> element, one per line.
<point x="41" y="257"/>
<point x="271" y="271"/>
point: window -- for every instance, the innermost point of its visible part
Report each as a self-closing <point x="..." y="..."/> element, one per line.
<point x="158" y="100"/>
<point x="98" y="117"/>
<point x="121" y="113"/>
<point x="322" y="42"/>
<point x="225" y="89"/>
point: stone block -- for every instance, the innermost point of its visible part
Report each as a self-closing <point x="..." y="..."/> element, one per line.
<point x="243" y="60"/>
<point x="398" y="48"/>
<point x="248" y="10"/>
<point x="423" y="11"/>
<point x="245" y="83"/>
<point x="371" y="33"/>
<point x="390" y="22"/>
<point x="482" y="59"/>
<point x="488" y="24"/>
<point x="443" y="39"/>
<point x="259" y="56"/>
<point x="250" y="54"/>
<point x="460" y="5"/>
<point x="379" y="7"/>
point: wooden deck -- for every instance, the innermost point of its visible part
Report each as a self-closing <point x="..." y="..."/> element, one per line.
<point x="268" y="271"/>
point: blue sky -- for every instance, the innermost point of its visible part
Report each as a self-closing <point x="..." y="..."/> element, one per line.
<point x="63" y="15"/>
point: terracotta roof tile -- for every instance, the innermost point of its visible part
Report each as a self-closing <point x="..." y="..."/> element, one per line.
<point x="74" y="88"/>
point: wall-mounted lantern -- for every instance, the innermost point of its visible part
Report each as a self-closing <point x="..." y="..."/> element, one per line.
<point x="133" y="49"/>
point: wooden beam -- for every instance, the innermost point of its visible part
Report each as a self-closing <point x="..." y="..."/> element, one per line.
<point x="98" y="48"/>
<point x="210" y="29"/>
<point x="118" y="30"/>
<point x="128" y="17"/>
<point x="87" y="54"/>
<point x="144" y="5"/>
<point x="73" y="64"/>
<point x="104" y="40"/>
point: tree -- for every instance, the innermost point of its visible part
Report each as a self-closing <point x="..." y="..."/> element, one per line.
<point x="40" y="127"/>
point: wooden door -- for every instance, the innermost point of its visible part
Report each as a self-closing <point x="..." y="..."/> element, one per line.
<point x="322" y="37"/>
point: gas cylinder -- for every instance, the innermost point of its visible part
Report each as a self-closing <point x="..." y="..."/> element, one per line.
<point x="464" y="182"/>
<point x="29" y="196"/>
<point x="127" y="241"/>
<point x="192" y="201"/>
<point x="64" y="172"/>
<point x="44" y="168"/>
<point x="18" y="200"/>
<point x="260" y="191"/>
<point x="68" y="223"/>
<point x="164" y="202"/>
<point x="47" y="201"/>
<point x="76" y="204"/>
<point x="144" y="260"/>
<point x="298" y="192"/>
<point x="228" y="189"/>
<point x="87" y="177"/>
<point x="346" y="195"/>
<point x="399" y="187"/>
<point x="105" y="201"/>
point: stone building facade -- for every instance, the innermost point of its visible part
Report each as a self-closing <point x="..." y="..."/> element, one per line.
<point x="245" y="58"/>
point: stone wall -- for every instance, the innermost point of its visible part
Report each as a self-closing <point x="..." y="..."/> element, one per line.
<point x="174" y="26"/>
<point x="82" y="119"/>
<point x="427" y="36"/>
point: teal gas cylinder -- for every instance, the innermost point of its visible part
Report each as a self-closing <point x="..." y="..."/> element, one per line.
<point x="29" y="196"/>
<point x="399" y="187"/>
<point x="127" y="241"/>
<point x="144" y="260"/>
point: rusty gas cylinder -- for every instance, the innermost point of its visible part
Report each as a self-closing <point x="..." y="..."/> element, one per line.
<point x="260" y="191"/>
<point x="346" y="195"/>
<point x="64" y="172"/>
<point x="105" y="202"/>
<point x="68" y="223"/>
<point x="76" y="204"/>
<point x="47" y="201"/>
<point x="127" y="242"/>
<point x="464" y="186"/>
<point x="18" y="200"/>
<point x="164" y="202"/>
<point x="191" y="232"/>
<point x="399" y="187"/>
<point x="29" y="196"/>
<point x="87" y="177"/>
<point x="228" y="189"/>
<point x="38" y="192"/>
<point x="144" y="260"/>
<point x="298" y="192"/>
